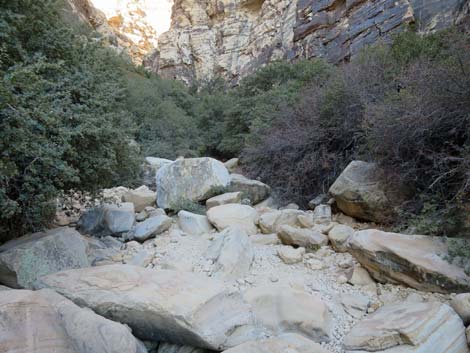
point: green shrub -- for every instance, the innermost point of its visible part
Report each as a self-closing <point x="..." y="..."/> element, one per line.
<point x="63" y="124"/>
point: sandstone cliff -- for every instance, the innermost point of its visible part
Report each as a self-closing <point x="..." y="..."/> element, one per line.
<point x="125" y="26"/>
<point x="231" y="38"/>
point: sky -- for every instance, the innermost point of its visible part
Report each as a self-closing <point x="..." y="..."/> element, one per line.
<point x="158" y="11"/>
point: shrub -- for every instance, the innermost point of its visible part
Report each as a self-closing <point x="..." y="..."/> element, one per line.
<point x="63" y="124"/>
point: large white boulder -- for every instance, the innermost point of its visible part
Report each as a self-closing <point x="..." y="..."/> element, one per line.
<point x="308" y="238"/>
<point x="242" y="216"/>
<point x="280" y="309"/>
<point x="232" y="253"/>
<point x="409" y="327"/>
<point x="178" y="307"/>
<point x="415" y="260"/>
<point x="339" y="236"/>
<point x="194" y="179"/>
<point x="44" y="321"/>
<point x="192" y="223"/>
<point x="360" y="192"/>
<point x="24" y="260"/>
<point x="288" y="343"/>
<point x="461" y="305"/>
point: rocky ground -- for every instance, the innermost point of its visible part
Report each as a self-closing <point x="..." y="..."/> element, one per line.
<point x="237" y="278"/>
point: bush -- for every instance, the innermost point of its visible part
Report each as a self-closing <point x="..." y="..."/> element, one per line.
<point x="63" y="124"/>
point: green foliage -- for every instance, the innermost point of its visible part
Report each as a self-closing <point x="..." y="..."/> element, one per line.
<point x="63" y="122"/>
<point x="188" y="205"/>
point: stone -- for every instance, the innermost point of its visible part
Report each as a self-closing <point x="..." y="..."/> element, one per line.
<point x="160" y="305"/>
<point x="306" y="220"/>
<point x="320" y="199"/>
<point x="288" y="343"/>
<point x="289" y="255"/>
<point x="150" y="228"/>
<point x="307" y="238"/>
<point x="143" y="258"/>
<point x="265" y="239"/>
<point x="268" y="203"/>
<point x="232" y="164"/>
<point x="230" y="197"/>
<point x="102" y="251"/>
<point x="461" y="305"/>
<point x="192" y="223"/>
<point x="119" y="218"/>
<point x="414" y="260"/>
<point x="254" y="190"/>
<point x="231" y="253"/>
<point x="141" y="197"/>
<point x="409" y="327"/>
<point x="193" y="180"/>
<point x="360" y="192"/>
<point x="281" y="309"/>
<point x="290" y="206"/>
<point x="322" y="214"/>
<point x="150" y="169"/>
<point x="25" y="259"/>
<point x="339" y="236"/>
<point x="355" y="304"/>
<point x="270" y="222"/>
<point x="360" y="277"/>
<point x="225" y="216"/>
<point x="44" y="321"/>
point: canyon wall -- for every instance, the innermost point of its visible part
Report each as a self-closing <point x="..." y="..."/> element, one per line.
<point x="232" y="38"/>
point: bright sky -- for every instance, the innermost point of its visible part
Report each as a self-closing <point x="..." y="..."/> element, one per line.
<point x="158" y="11"/>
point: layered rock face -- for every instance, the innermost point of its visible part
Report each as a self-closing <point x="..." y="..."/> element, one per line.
<point x="125" y="25"/>
<point x="232" y="38"/>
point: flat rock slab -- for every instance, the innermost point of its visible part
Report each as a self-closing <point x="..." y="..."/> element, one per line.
<point x="24" y="260"/>
<point x="409" y="328"/>
<point x="192" y="223"/>
<point x="242" y="216"/>
<point x="46" y="322"/>
<point x="255" y="190"/>
<point x="280" y="309"/>
<point x="193" y="179"/>
<point x="150" y="228"/>
<point x="288" y="343"/>
<point x="414" y="260"/>
<point x="170" y="306"/>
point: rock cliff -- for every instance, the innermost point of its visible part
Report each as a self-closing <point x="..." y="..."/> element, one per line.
<point x="231" y="38"/>
<point x="124" y="25"/>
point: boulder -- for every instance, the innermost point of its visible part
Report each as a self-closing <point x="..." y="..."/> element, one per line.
<point x="288" y="343"/>
<point x="409" y="327"/>
<point x="360" y="277"/>
<point x="307" y="238"/>
<point x="24" y="260"/>
<point x="414" y="260"/>
<point x="339" y="236"/>
<point x="229" y="197"/>
<point x="280" y="309"/>
<point x="242" y="216"/>
<point x="192" y="223"/>
<point x="320" y="199"/>
<point x="360" y="192"/>
<point x="268" y="203"/>
<point x="461" y="305"/>
<point x="232" y="253"/>
<point x="119" y="218"/>
<point x="355" y="304"/>
<point x="322" y="214"/>
<point x="150" y="168"/>
<point x="141" y="197"/>
<point x="290" y="255"/>
<point x="44" y="321"/>
<point x="101" y="251"/>
<point x="150" y="228"/>
<point x="255" y="190"/>
<point x="270" y="222"/>
<point x="194" y="179"/>
<point x="232" y="164"/>
<point x="177" y="307"/>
